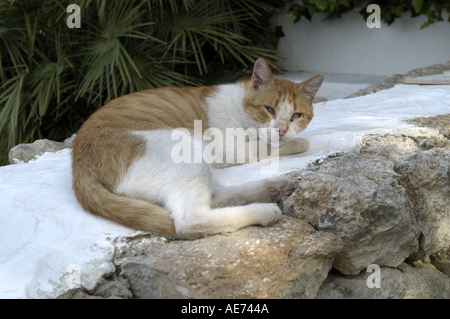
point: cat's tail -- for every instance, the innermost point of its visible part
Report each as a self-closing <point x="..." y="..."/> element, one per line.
<point x="134" y="213"/>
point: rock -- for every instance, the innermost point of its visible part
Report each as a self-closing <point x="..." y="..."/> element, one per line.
<point x="416" y="281"/>
<point x="428" y="70"/>
<point x="79" y="294"/>
<point x="426" y="177"/>
<point x="114" y="287"/>
<point x="440" y="122"/>
<point x="388" y="83"/>
<point x="319" y="99"/>
<point x="391" y="147"/>
<point x="358" y="198"/>
<point x="441" y="260"/>
<point x="424" y="168"/>
<point x="288" y="260"/>
<point x="388" y="203"/>
<point x="68" y="141"/>
<point x="28" y="152"/>
<point x="393" y="79"/>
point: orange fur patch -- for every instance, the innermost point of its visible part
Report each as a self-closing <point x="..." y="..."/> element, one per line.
<point x="273" y="95"/>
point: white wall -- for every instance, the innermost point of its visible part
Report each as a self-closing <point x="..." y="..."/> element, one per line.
<point x="347" y="45"/>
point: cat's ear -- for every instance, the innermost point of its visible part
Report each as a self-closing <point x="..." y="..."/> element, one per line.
<point x="261" y="74"/>
<point x="312" y="85"/>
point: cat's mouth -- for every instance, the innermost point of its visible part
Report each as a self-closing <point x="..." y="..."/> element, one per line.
<point x="282" y="141"/>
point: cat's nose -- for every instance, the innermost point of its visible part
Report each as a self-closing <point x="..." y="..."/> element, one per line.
<point x="282" y="129"/>
<point x="282" y="126"/>
<point x="281" y="132"/>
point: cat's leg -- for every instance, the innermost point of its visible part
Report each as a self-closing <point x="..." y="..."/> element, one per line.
<point x="270" y="190"/>
<point x="225" y="220"/>
<point x="195" y="216"/>
<point x="294" y="146"/>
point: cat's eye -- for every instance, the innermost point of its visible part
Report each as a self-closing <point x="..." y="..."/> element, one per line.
<point x="297" y="116"/>
<point x="270" y="110"/>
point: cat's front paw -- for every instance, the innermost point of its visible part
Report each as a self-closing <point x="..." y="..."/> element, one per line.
<point x="295" y="146"/>
<point x="280" y="187"/>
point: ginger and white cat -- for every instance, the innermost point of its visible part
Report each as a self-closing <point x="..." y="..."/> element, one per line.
<point x="123" y="169"/>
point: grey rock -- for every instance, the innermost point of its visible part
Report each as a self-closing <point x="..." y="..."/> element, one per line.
<point x="393" y="79"/>
<point x="441" y="260"/>
<point x="391" y="147"/>
<point x="428" y="70"/>
<point x="440" y="122"/>
<point x="68" y="141"/>
<point x="319" y="99"/>
<point x="388" y="203"/>
<point x="415" y="281"/>
<point x="31" y="151"/>
<point x="359" y="199"/>
<point x="426" y="177"/>
<point x="423" y="165"/>
<point x="80" y="294"/>
<point x="114" y="287"/>
<point x="388" y="83"/>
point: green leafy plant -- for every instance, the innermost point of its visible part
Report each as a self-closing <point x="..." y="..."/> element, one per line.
<point x="54" y="77"/>
<point x="332" y="8"/>
<point x="390" y="9"/>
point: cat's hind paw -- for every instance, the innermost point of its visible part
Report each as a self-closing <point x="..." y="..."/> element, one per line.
<point x="279" y="188"/>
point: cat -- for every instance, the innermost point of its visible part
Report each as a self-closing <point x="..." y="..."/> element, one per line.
<point x="122" y="161"/>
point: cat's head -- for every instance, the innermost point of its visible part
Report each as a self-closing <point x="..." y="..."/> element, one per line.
<point x="279" y="103"/>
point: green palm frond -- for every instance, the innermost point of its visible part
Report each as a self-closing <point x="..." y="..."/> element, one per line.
<point x="53" y="78"/>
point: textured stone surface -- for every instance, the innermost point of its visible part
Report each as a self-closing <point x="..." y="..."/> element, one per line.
<point x="393" y="79"/>
<point x="423" y="165"/>
<point x="319" y="99"/>
<point x="415" y="281"/>
<point x="114" y="287"/>
<point x="28" y="152"/>
<point x="288" y="260"/>
<point x="440" y="122"/>
<point x="426" y="176"/>
<point x="359" y="199"/>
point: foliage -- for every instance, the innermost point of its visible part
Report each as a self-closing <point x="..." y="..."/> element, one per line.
<point x="390" y="9"/>
<point x="53" y="77"/>
<point x="332" y="8"/>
